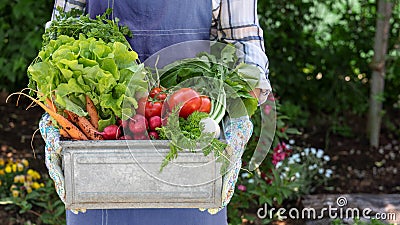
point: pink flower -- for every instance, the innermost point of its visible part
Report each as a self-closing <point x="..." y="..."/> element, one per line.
<point x="241" y="187"/>
<point x="280" y="153"/>
<point x="271" y="97"/>
<point x="267" y="109"/>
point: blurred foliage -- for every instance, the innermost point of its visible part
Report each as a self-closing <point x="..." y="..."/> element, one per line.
<point x="21" y="27"/>
<point x="27" y="194"/>
<point x="320" y="53"/>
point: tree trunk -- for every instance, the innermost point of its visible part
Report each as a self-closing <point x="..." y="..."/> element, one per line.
<point x="384" y="14"/>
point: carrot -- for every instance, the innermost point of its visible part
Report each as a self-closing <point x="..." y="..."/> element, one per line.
<point x="64" y="133"/>
<point x="51" y="105"/>
<point x="85" y="125"/>
<point x="71" y="129"/>
<point x="92" y="111"/>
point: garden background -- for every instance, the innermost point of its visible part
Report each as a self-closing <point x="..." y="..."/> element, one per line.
<point x="321" y="67"/>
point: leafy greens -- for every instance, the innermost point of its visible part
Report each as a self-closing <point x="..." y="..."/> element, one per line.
<point x="68" y="69"/>
<point x="222" y="64"/>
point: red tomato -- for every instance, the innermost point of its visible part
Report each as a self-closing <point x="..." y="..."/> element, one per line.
<point x="153" y="109"/>
<point x="205" y="104"/>
<point x="161" y="96"/>
<point x="188" y="98"/>
<point x="154" y="92"/>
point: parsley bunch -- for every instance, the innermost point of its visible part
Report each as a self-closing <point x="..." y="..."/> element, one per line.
<point x="73" y="24"/>
<point x="187" y="134"/>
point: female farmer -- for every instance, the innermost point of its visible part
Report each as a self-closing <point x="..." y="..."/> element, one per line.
<point x="157" y="24"/>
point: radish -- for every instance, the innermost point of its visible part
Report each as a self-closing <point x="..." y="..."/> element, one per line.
<point x="111" y="132"/>
<point x="154" y="122"/>
<point x="138" y="124"/>
<point x="126" y="137"/>
<point x="140" y="136"/>
<point x="211" y="126"/>
<point x="125" y="125"/>
<point x="153" y="135"/>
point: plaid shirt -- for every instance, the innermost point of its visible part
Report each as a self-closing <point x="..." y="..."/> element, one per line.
<point x="233" y="21"/>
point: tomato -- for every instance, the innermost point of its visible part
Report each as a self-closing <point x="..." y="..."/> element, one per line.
<point x="188" y="97"/>
<point x="161" y="96"/>
<point x="153" y="109"/>
<point x="205" y="104"/>
<point x="154" y="92"/>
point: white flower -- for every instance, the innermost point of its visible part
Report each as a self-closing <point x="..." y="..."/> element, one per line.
<point x="297" y="175"/>
<point x="295" y="156"/>
<point x="291" y="141"/>
<point x="307" y="150"/>
<point x="328" y="173"/>
<point x="278" y="164"/>
<point x="313" y="151"/>
<point x="320" y="153"/>
<point x="327" y="158"/>
<point x="245" y="175"/>
<point x="310" y="167"/>
<point x="321" y="171"/>
<point x="251" y="181"/>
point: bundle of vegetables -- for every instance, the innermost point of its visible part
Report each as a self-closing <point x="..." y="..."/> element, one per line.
<point x="226" y="82"/>
<point x="86" y="76"/>
<point x="231" y="80"/>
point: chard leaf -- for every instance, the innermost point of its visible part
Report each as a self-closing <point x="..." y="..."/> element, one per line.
<point x="228" y="54"/>
<point x="72" y="64"/>
<point x="107" y="82"/>
<point x="251" y="105"/>
<point x="67" y="88"/>
<point x="73" y="107"/>
<point x="107" y="101"/>
<point x="109" y="65"/>
<point x="45" y="76"/>
<point x="99" y="49"/>
<point x="123" y="57"/>
<point x="107" y="118"/>
<point x="63" y="53"/>
<point x="250" y="74"/>
<point x="87" y="62"/>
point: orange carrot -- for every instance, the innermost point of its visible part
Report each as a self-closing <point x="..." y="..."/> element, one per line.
<point x="64" y="133"/>
<point x="85" y="126"/>
<point x="71" y="129"/>
<point x="92" y="111"/>
<point x="51" y="105"/>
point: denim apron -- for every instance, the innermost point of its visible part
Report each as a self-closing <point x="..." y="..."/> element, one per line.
<point x="155" y="24"/>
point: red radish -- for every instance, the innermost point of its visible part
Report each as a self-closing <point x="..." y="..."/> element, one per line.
<point x="125" y="125"/>
<point x="125" y="137"/>
<point x="141" y="106"/>
<point x="119" y="121"/>
<point x="153" y="135"/>
<point x="154" y="122"/>
<point x="138" y="124"/>
<point x="140" y="136"/>
<point x="111" y="132"/>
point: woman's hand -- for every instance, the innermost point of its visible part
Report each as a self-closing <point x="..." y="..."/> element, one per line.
<point x="256" y="93"/>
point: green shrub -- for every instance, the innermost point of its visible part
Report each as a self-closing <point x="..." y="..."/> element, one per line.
<point x="21" y="27"/>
